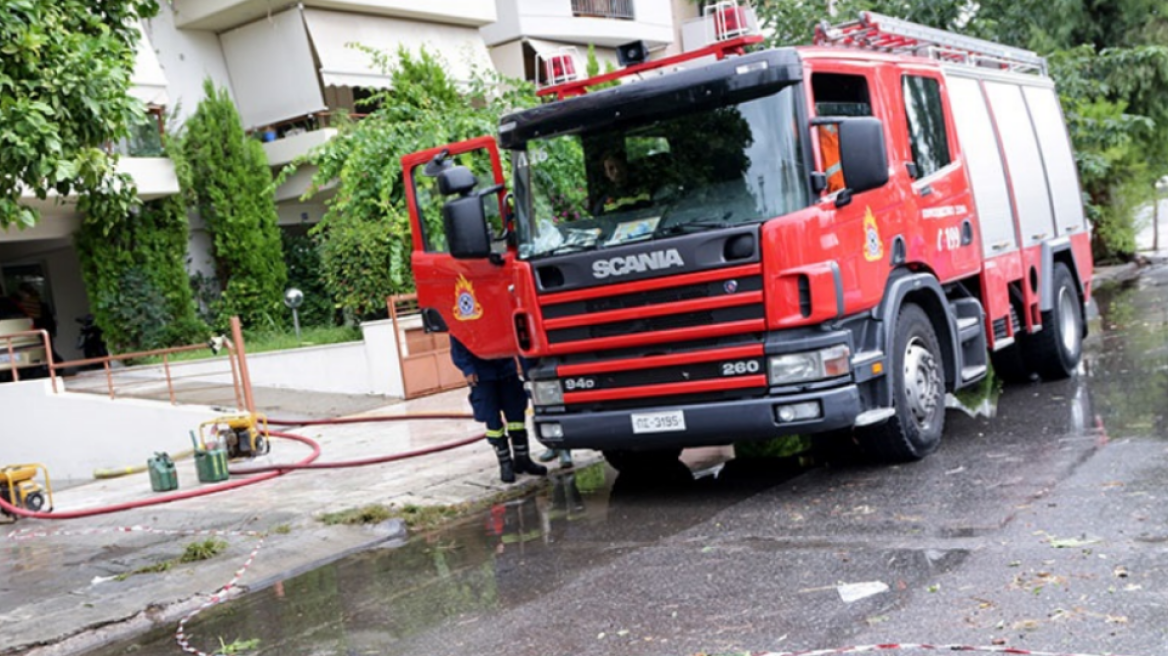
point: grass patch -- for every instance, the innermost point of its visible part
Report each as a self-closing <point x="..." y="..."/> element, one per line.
<point x="194" y="552"/>
<point x="282" y="529"/>
<point x="779" y="447"/>
<point x="424" y="518"/>
<point x="205" y="550"/>
<point x="237" y="646"/>
<point x="260" y="341"/>
<point x="373" y="513"/>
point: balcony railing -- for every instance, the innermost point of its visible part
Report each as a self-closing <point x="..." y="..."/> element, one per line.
<point x="621" y="9"/>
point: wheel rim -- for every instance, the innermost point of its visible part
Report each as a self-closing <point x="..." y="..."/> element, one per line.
<point x="1068" y="322"/>
<point x="922" y="382"/>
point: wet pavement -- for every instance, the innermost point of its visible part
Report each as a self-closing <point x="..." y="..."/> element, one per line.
<point x="1041" y="527"/>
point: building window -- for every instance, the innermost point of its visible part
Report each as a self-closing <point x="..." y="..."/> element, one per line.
<point x="926" y="124"/>
<point x="622" y="9"/>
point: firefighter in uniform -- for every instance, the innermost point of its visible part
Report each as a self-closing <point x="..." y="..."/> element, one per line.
<point x="497" y="393"/>
<point x="829" y="147"/>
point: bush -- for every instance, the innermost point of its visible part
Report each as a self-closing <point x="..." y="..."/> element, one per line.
<point x="227" y="175"/>
<point x="133" y="270"/>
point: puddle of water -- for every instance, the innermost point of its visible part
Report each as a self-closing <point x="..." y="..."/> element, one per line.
<point x="462" y="574"/>
<point x="1128" y="361"/>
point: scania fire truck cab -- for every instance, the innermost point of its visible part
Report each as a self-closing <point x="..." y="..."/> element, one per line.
<point x="681" y="271"/>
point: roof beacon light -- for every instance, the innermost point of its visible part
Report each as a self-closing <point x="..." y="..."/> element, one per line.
<point x="557" y="67"/>
<point x="730" y="19"/>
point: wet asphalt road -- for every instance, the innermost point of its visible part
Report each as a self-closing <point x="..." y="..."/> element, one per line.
<point x="1043" y="527"/>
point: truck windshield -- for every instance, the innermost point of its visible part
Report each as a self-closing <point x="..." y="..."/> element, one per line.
<point x="714" y="168"/>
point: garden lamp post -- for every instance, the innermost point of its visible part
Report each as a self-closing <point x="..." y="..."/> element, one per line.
<point x="293" y="298"/>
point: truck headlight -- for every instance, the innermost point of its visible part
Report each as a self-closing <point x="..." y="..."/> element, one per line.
<point x="809" y="365"/>
<point x="547" y="392"/>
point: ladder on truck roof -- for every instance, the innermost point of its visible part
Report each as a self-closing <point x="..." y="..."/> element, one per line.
<point x="892" y="35"/>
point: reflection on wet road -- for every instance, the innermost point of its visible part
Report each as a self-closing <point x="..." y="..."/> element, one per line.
<point x="965" y="546"/>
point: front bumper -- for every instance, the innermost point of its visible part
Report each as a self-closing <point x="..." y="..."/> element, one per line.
<point x="706" y="424"/>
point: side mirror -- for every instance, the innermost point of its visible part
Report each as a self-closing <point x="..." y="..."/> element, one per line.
<point x="465" y="223"/>
<point x="863" y="154"/>
<point x="455" y="180"/>
<point x="467" y="233"/>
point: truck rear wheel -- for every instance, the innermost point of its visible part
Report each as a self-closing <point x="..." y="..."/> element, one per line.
<point x="1054" y="352"/>
<point x="1010" y="365"/>
<point x="918" y="392"/>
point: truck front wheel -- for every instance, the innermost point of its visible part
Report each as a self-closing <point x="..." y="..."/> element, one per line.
<point x="918" y="392"/>
<point x="1054" y="351"/>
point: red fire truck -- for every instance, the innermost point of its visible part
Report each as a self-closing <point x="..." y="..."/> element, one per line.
<point x="810" y="240"/>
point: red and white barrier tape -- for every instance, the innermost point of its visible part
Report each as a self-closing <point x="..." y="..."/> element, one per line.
<point x="219" y="596"/>
<point x="907" y="646"/>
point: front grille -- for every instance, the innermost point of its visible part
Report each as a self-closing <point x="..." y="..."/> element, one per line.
<point x="689" y="346"/>
<point x="654" y="324"/>
<point x="654" y="297"/>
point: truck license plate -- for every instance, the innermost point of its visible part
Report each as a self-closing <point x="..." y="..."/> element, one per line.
<point x="659" y="422"/>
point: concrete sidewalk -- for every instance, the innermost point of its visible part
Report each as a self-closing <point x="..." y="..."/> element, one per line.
<point x="59" y="591"/>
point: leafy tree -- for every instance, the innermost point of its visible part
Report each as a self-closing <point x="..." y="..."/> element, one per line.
<point x="132" y="264"/>
<point x="65" y="68"/>
<point x="365" y="233"/>
<point x="227" y="176"/>
<point x="302" y="257"/>
<point x="1105" y="56"/>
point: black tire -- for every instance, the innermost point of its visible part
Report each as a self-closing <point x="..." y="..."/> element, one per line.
<point x="1054" y="352"/>
<point x="1010" y="365"/>
<point x="642" y="462"/>
<point x="918" y="392"/>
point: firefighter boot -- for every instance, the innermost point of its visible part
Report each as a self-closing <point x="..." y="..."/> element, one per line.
<point x="503" y="453"/>
<point x="523" y="462"/>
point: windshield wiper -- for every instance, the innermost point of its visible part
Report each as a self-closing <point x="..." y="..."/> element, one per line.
<point x="564" y="249"/>
<point x="695" y="226"/>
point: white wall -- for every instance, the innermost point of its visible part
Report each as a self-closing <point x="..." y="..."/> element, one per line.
<point x="508" y="59"/>
<point x="187" y="58"/>
<point x="200" y="258"/>
<point x="58" y="430"/>
<point x="295" y="213"/>
<point x="366" y="367"/>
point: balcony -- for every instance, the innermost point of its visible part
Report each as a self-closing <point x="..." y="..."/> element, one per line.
<point x="222" y="15"/>
<point x="619" y="9"/>
<point x="602" y="23"/>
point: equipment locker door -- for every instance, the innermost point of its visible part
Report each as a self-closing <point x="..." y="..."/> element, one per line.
<point x="472" y="296"/>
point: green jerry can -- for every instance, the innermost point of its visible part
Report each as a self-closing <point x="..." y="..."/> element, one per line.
<point x="210" y="462"/>
<point x="163" y="477"/>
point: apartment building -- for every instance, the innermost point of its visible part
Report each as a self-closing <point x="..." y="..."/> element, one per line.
<point x="528" y="29"/>
<point x="44" y="255"/>
<point x="292" y="68"/>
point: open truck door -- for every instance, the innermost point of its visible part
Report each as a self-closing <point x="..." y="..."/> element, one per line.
<point x="461" y="260"/>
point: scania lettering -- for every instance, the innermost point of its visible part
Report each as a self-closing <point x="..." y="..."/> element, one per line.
<point x="619" y="266"/>
<point x="821" y="240"/>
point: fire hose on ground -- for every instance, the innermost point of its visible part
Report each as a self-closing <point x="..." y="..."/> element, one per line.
<point x="269" y="472"/>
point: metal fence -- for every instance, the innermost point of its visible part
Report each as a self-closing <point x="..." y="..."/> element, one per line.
<point x="622" y="9"/>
